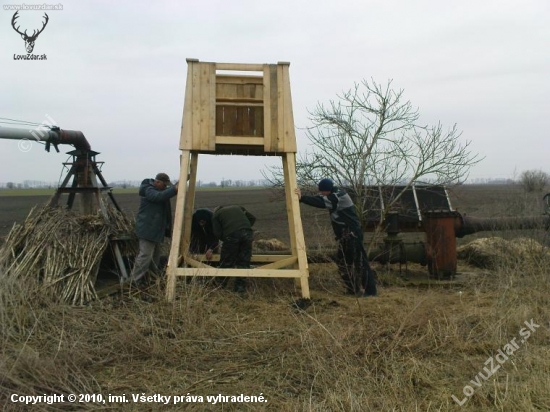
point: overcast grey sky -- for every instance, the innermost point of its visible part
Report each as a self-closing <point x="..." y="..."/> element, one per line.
<point x="116" y="71"/>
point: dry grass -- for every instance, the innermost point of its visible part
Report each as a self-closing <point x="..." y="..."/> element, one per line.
<point x="269" y="245"/>
<point x="409" y="349"/>
<point x="490" y="252"/>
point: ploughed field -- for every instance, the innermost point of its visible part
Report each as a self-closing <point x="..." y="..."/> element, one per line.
<point x="269" y="207"/>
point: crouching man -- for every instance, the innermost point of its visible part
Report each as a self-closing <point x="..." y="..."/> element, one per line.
<point x="233" y="226"/>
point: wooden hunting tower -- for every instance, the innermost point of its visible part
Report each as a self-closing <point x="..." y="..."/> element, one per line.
<point x="242" y="114"/>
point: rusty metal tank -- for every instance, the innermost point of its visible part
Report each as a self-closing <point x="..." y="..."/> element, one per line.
<point x="427" y="209"/>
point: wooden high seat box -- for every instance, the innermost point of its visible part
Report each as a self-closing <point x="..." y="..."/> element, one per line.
<point x="241" y="109"/>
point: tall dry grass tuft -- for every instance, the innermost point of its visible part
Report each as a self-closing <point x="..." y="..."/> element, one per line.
<point x="33" y="357"/>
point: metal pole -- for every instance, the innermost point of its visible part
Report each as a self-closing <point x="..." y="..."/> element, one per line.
<point x="54" y="136"/>
<point x="39" y="135"/>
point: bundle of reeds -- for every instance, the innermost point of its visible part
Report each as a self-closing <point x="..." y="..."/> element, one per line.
<point x="269" y="244"/>
<point x="62" y="249"/>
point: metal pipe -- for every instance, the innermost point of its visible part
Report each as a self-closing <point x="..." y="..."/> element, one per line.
<point x="398" y="252"/>
<point x="468" y="225"/>
<point x="382" y="252"/>
<point x="54" y="135"/>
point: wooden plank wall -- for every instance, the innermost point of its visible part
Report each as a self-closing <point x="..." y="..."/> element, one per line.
<point x="285" y="107"/>
<point x="199" y="124"/>
<point x="279" y="120"/>
<point x="186" y="136"/>
<point x="234" y="105"/>
<point x="239" y="106"/>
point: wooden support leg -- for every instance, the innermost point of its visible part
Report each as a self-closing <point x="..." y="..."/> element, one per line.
<point x="189" y="202"/>
<point x="297" y="242"/>
<point x="304" y="283"/>
<point x="175" y="248"/>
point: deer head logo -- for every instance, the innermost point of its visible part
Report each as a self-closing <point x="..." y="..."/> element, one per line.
<point x="29" y="40"/>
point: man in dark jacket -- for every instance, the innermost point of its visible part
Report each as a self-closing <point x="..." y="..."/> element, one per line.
<point x="153" y="222"/>
<point x="203" y="239"/>
<point x="233" y="225"/>
<point x="351" y="258"/>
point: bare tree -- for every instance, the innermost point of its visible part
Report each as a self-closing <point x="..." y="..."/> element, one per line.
<point x="370" y="136"/>
<point x="534" y="180"/>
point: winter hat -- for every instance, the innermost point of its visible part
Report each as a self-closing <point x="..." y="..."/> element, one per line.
<point x="326" y="185"/>
<point x="163" y="177"/>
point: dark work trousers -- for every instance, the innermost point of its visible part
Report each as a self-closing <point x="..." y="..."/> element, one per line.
<point x="236" y="253"/>
<point x="353" y="266"/>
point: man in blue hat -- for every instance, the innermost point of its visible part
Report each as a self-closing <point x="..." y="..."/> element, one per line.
<point x="351" y="258"/>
